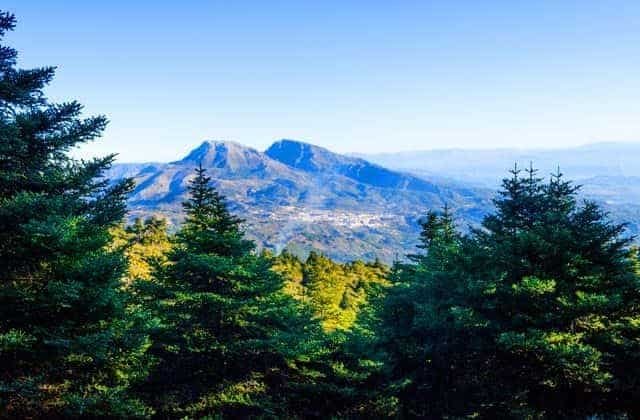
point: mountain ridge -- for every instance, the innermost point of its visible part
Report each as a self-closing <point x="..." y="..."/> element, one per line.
<point x="305" y="197"/>
<point x="311" y="158"/>
<point x="609" y="172"/>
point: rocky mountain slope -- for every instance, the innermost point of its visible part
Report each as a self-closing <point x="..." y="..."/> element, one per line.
<point x="304" y="197"/>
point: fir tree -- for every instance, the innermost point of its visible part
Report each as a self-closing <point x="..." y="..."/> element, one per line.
<point x="229" y="335"/>
<point x="67" y="345"/>
<point x="208" y="223"/>
<point x="563" y="303"/>
<point x="533" y="315"/>
<point x="417" y="344"/>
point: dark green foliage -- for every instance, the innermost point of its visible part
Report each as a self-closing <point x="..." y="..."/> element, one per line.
<point x="67" y="345"/>
<point x="535" y="314"/>
<point x="231" y="342"/>
<point x="414" y="330"/>
<point x="209" y="226"/>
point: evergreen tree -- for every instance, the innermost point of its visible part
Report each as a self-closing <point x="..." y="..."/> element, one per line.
<point x="413" y="332"/>
<point x="564" y="302"/>
<point x="230" y="340"/>
<point x="67" y="345"/>
<point x="533" y="315"/>
<point x="292" y="269"/>
<point x="208" y="223"/>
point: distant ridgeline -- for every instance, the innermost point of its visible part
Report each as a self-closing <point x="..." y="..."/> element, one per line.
<point x="303" y="197"/>
<point x="608" y="172"/>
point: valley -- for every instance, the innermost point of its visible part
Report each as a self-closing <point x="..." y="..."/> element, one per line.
<point x="301" y="197"/>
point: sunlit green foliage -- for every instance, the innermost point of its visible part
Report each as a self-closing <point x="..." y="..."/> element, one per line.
<point x="145" y="244"/>
<point x="334" y="291"/>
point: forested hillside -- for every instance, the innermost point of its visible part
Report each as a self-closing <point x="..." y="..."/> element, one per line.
<point x="534" y="314"/>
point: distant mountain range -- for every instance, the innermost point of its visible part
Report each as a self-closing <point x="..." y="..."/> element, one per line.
<point x="304" y="197"/>
<point x="608" y="172"/>
<point x="487" y="167"/>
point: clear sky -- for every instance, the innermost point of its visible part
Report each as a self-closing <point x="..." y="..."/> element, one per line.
<point x="354" y="76"/>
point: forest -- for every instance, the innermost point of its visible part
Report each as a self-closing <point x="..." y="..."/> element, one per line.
<point x="535" y="314"/>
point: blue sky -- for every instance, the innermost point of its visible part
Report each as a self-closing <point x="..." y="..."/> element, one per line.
<point x="354" y="76"/>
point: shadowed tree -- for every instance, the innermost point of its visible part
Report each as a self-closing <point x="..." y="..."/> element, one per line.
<point x="67" y="345"/>
<point x="231" y="342"/>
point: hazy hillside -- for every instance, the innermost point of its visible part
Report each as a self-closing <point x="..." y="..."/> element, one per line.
<point x="609" y="172"/>
<point x="305" y="197"/>
<point x="488" y="166"/>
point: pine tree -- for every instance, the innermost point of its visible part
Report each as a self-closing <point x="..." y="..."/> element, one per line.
<point x="417" y="343"/>
<point x="564" y="302"/>
<point x="208" y="223"/>
<point x="67" y="345"/>
<point x="533" y="315"/>
<point x="229" y="336"/>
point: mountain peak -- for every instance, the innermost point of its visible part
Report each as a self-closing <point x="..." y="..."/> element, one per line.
<point x="301" y="155"/>
<point x="221" y="154"/>
<point x="296" y="143"/>
<point x="224" y="143"/>
<point x="315" y="159"/>
<point x="302" y="194"/>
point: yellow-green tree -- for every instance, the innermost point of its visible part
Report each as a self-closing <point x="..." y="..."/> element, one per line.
<point x="335" y="292"/>
<point x="147" y="245"/>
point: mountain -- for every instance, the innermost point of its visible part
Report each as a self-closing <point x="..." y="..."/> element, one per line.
<point x="488" y="166"/>
<point x="128" y="170"/>
<point x="608" y="172"/>
<point x="304" y="197"/>
<point x="316" y="160"/>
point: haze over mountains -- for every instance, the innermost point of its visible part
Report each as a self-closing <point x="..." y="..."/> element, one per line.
<point x="608" y="172"/>
<point x="488" y="166"/>
<point x="304" y="197"/>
